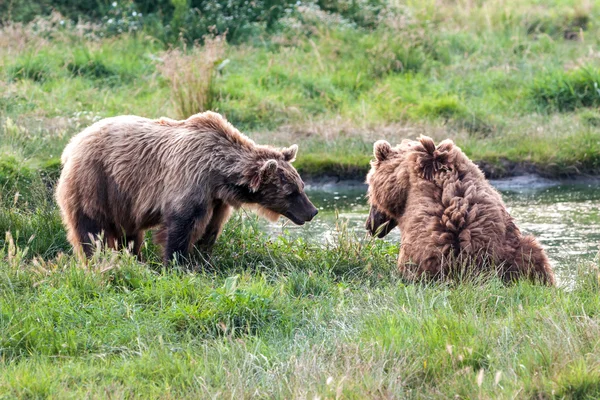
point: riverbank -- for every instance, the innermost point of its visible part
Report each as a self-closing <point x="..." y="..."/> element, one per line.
<point x="27" y="155"/>
<point x="515" y="94"/>
<point x="326" y="171"/>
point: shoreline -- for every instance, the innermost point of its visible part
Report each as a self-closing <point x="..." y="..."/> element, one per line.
<point x="317" y="173"/>
<point x="530" y="181"/>
<point x="503" y="170"/>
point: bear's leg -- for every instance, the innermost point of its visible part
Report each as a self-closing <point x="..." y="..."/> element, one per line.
<point x="137" y="239"/>
<point x="220" y="215"/>
<point x="179" y="232"/>
<point x="88" y="229"/>
<point x="132" y="241"/>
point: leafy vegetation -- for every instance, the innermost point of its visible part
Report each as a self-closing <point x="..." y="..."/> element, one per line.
<point x="568" y="91"/>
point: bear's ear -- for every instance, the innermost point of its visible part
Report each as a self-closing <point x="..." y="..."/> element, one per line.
<point x="428" y="143"/>
<point x="430" y="160"/>
<point x="264" y="173"/>
<point x="445" y="145"/>
<point x="381" y="150"/>
<point x="289" y="153"/>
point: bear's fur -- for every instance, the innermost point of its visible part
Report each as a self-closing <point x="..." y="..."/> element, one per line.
<point x="450" y="217"/>
<point x="124" y="175"/>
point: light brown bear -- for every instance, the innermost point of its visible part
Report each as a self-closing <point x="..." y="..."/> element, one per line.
<point x="124" y="175"/>
<point x="450" y="217"/>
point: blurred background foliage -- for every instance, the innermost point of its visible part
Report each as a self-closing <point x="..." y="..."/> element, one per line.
<point x="168" y="20"/>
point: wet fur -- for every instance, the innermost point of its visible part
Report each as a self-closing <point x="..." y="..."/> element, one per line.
<point x="448" y="214"/>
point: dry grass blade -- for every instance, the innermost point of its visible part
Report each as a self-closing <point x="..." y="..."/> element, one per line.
<point x="191" y="75"/>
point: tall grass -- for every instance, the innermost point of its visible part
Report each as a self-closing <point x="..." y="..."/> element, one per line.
<point x="191" y="75"/>
<point x="334" y="88"/>
<point x="567" y="91"/>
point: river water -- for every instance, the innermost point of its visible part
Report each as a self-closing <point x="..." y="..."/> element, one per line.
<point x="564" y="216"/>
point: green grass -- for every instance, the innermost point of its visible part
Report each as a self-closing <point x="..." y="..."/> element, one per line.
<point x="279" y="319"/>
<point x="494" y="81"/>
<point x="30" y="67"/>
<point x="568" y="91"/>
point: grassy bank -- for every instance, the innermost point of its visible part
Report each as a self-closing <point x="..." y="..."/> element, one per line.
<point x="276" y="319"/>
<point x="273" y="317"/>
<point x="514" y="83"/>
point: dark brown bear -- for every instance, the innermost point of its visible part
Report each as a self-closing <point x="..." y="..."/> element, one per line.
<point x="449" y="215"/>
<point x="124" y="175"/>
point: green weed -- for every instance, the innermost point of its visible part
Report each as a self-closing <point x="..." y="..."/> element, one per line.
<point x="91" y="66"/>
<point x="31" y="67"/>
<point x="590" y="117"/>
<point x="566" y="91"/>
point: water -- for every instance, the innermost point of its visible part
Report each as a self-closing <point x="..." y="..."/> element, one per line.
<point x="565" y="217"/>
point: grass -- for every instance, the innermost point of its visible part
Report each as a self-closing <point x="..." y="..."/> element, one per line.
<point x="266" y="323"/>
<point x="512" y="82"/>
<point x="191" y="75"/>
<point x="495" y="82"/>
<point x="568" y="91"/>
<point x="280" y="318"/>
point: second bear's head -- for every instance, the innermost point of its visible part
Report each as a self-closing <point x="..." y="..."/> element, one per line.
<point x="395" y="171"/>
<point x="275" y="187"/>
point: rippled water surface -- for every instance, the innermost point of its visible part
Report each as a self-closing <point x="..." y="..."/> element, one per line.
<point x="564" y="216"/>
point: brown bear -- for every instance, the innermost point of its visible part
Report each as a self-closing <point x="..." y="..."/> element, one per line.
<point x="450" y="217"/>
<point x="124" y="175"/>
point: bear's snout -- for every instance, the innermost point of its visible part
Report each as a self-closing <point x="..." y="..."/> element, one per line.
<point x="310" y="208"/>
<point x="301" y="210"/>
<point x="379" y="224"/>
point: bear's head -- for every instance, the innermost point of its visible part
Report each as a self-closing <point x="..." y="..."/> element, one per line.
<point x="395" y="170"/>
<point x="277" y="189"/>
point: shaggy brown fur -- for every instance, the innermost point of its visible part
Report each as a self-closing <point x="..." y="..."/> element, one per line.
<point x="124" y="175"/>
<point x="450" y="217"/>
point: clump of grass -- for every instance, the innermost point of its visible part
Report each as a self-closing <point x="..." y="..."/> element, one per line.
<point x="567" y="91"/>
<point x="50" y="171"/>
<point x="40" y="230"/>
<point x="191" y="75"/>
<point x="30" y="67"/>
<point x="452" y="111"/>
<point x="14" y="178"/>
<point x="590" y="117"/>
<point x="90" y="65"/>
<point x="307" y="284"/>
<point x="346" y="256"/>
<point x="445" y="107"/>
<point x="558" y="24"/>
<point x="230" y="311"/>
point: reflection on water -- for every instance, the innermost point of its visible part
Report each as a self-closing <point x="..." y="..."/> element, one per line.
<point x="564" y="217"/>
